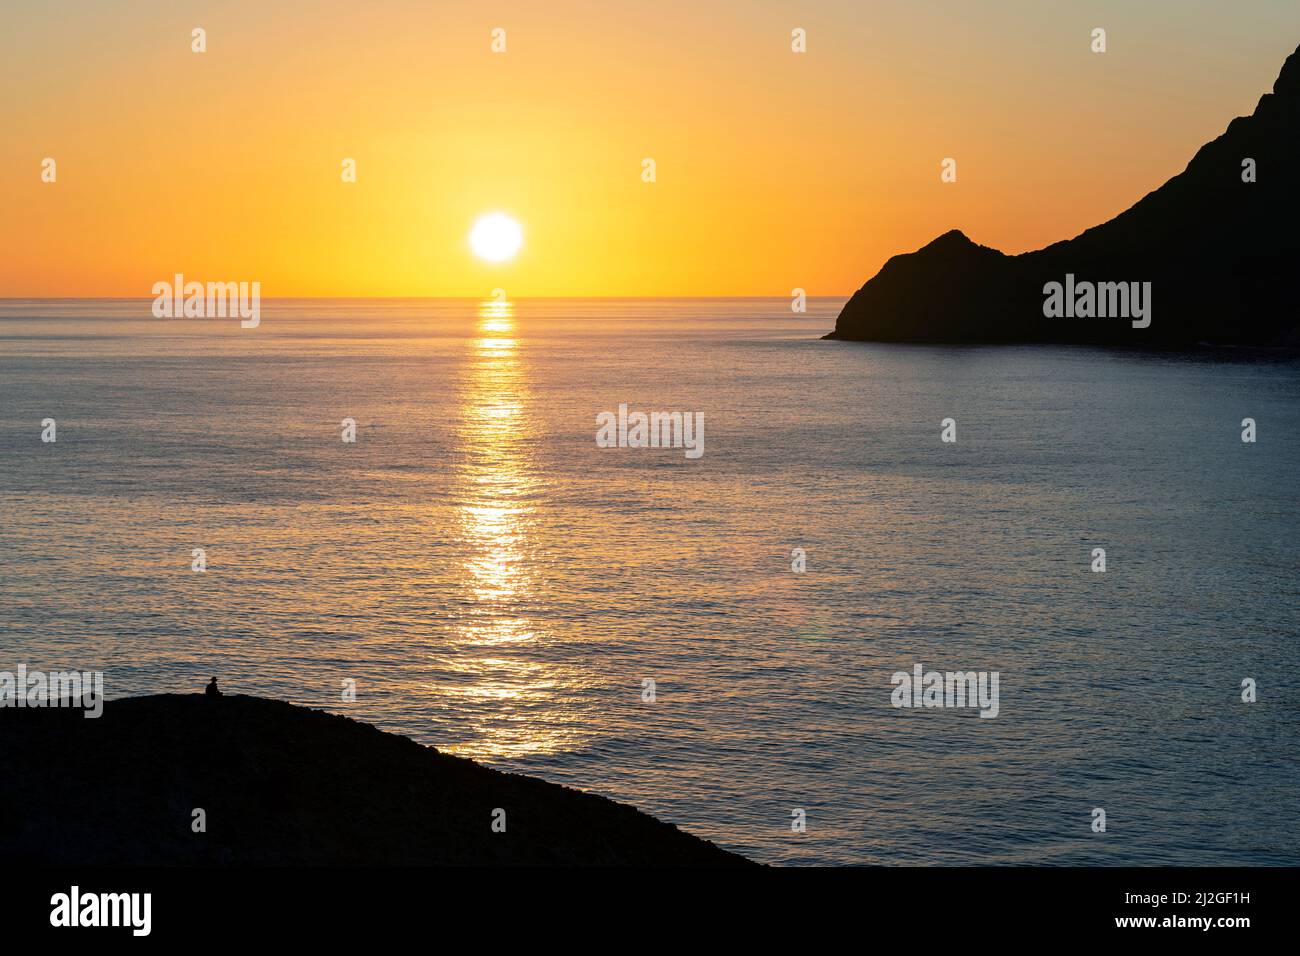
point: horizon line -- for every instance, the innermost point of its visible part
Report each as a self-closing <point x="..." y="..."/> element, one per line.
<point x="422" y="298"/>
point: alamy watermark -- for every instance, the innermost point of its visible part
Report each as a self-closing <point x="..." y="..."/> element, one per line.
<point x="72" y="689"/>
<point x="75" y="908"/>
<point x="215" y="300"/>
<point x="654" y="430"/>
<point x="1101" y="300"/>
<point x="923" y="688"/>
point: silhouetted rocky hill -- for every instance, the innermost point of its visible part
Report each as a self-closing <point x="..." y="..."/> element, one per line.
<point x="281" y="784"/>
<point x="1220" y="254"/>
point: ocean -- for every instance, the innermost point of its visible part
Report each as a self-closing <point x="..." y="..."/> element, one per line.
<point x="481" y="576"/>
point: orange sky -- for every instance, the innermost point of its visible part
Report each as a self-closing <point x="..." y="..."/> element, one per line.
<point x="775" y="169"/>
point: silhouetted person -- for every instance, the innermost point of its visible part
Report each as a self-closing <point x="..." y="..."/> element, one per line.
<point x="212" y="690"/>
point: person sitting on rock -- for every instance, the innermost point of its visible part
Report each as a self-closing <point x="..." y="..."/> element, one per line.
<point x="212" y="689"/>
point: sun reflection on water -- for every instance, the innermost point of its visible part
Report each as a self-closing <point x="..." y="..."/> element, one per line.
<point x="500" y="681"/>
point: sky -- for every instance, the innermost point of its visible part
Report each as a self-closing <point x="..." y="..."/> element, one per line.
<point x="774" y="170"/>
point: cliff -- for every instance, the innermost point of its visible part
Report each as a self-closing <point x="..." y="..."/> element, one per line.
<point x="1220" y="254"/>
<point x="281" y="785"/>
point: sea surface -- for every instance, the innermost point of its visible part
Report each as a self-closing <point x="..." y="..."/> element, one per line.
<point x="500" y="587"/>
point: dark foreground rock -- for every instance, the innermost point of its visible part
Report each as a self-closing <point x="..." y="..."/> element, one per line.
<point x="287" y="785"/>
<point x="1220" y="254"/>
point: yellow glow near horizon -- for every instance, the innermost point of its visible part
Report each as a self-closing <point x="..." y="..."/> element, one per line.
<point x="496" y="237"/>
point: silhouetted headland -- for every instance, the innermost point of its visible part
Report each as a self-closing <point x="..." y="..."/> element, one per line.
<point x="1219" y="252"/>
<point x="280" y="784"/>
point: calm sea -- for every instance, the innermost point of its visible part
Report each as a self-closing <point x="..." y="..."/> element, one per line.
<point x="498" y="586"/>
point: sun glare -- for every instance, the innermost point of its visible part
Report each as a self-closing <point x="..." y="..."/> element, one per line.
<point x="496" y="237"/>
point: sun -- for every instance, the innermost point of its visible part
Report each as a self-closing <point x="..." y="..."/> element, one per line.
<point x="496" y="237"/>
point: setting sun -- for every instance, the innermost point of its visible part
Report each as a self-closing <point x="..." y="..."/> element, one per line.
<point x="496" y="237"/>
